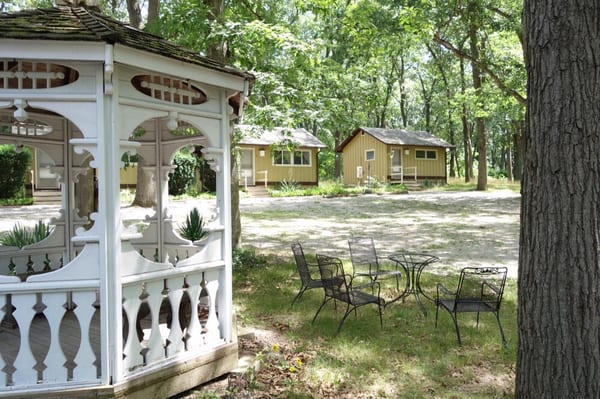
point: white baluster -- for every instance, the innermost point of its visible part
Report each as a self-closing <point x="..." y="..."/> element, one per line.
<point x="156" y="346"/>
<point x="213" y="335"/>
<point x="133" y="347"/>
<point x="85" y="358"/>
<point x="55" y="370"/>
<point x="4" y="302"/>
<point x="25" y="362"/>
<point x="194" y="331"/>
<point x="176" y="344"/>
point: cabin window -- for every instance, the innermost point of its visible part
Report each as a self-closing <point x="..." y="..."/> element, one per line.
<point x="369" y="155"/>
<point x="298" y="158"/>
<point x="426" y="154"/>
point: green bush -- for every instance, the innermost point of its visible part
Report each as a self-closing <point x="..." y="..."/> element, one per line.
<point x="193" y="228"/>
<point x="183" y="175"/>
<point x="21" y="236"/>
<point x="13" y="170"/>
<point x="247" y="258"/>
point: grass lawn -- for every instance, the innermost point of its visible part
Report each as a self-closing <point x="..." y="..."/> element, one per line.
<point x="407" y="358"/>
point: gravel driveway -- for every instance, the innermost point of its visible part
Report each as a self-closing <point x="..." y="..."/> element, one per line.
<point x="461" y="228"/>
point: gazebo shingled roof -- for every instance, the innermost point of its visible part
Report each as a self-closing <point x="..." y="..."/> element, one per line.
<point x="81" y="24"/>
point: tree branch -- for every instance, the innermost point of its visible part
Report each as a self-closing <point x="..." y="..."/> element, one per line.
<point x="499" y="83"/>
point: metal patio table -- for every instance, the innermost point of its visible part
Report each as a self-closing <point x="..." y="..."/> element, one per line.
<point x="413" y="264"/>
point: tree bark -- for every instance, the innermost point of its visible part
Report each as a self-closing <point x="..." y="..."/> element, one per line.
<point x="559" y="262"/>
<point x="518" y="150"/>
<point x="479" y="121"/>
<point x="145" y="187"/>
<point x="135" y="13"/>
<point x="465" y="128"/>
<point x="153" y="10"/>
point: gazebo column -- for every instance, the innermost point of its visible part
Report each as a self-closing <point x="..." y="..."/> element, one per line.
<point x="219" y="160"/>
<point x="108" y="165"/>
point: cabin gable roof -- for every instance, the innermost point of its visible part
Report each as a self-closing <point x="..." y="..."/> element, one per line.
<point x="253" y="135"/>
<point x="397" y="137"/>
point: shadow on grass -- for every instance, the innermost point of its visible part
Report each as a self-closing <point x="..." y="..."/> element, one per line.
<point x="407" y="358"/>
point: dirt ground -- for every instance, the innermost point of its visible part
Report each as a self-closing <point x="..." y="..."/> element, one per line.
<point x="461" y="228"/>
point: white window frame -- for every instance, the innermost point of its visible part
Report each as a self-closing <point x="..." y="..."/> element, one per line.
<point x="367" y="157"/>
<point x="292" y="158"/>
<point x="426" y="154"/>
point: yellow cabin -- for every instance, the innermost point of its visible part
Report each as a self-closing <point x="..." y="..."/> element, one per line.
<point x="392" y="155"/>
<point x="269" y="157"/>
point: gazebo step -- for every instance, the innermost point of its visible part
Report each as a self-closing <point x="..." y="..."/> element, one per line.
<point x="47" y="197"/>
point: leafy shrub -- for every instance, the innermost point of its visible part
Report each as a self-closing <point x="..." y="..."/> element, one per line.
<point x="13" y="169"/>
<point x="21" y="236"/>
<point x="183" y="175"/>
<point x="193" y="227"/>
<point x="247" y="258"/>
<point x="497" y="173"/>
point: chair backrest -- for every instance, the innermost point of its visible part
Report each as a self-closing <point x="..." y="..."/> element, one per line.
<point x="363" y="255"/>
<point x="482" y="285"/>
<point x="333" y="277"/>
<point x="301" y="263"/>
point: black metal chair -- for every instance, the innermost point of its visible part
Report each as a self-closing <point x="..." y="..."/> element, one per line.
<point x="338" y="288"/>
<point x="309" y="273"/>
<point x="479" y="290"/>
<point x="365" y="261"/>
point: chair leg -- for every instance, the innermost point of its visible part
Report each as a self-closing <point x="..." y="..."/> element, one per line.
<point x="318" y="310"/>
<point x="437" y="308"/>
<point x="380" y="316"/>
<point x="504" y="343"/>
<point x="454" y="318"/>
<point x="298" y="295"/>
<point x="348" y="310"/>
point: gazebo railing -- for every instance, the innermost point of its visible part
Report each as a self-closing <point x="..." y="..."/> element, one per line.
<point x="50" y="334"/>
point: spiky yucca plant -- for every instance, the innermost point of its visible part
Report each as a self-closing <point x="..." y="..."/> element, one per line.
<point x="193" y="228"/>
<point x="21" y="236"/>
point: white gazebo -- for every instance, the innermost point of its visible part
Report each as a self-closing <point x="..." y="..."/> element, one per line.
<point x="95" y="309"/>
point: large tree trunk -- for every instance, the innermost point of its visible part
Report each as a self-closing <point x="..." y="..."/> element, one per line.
<point x="145" y="187"/>
<point x="518" y="150"/>
<point x="559" y="262"/>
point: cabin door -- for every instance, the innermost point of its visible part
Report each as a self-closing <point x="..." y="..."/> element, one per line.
<point x="396" y="164"/>
<point x="247" y="167"/>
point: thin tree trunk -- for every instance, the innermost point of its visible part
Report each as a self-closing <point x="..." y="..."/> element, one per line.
<point x="337" y="137"/>
<point x="465" y="127"/>
<point x="559" y="257"/>
<point x="479" y="121"/>
<point x="135" y="13"/>
<point x="153" y="10"/>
